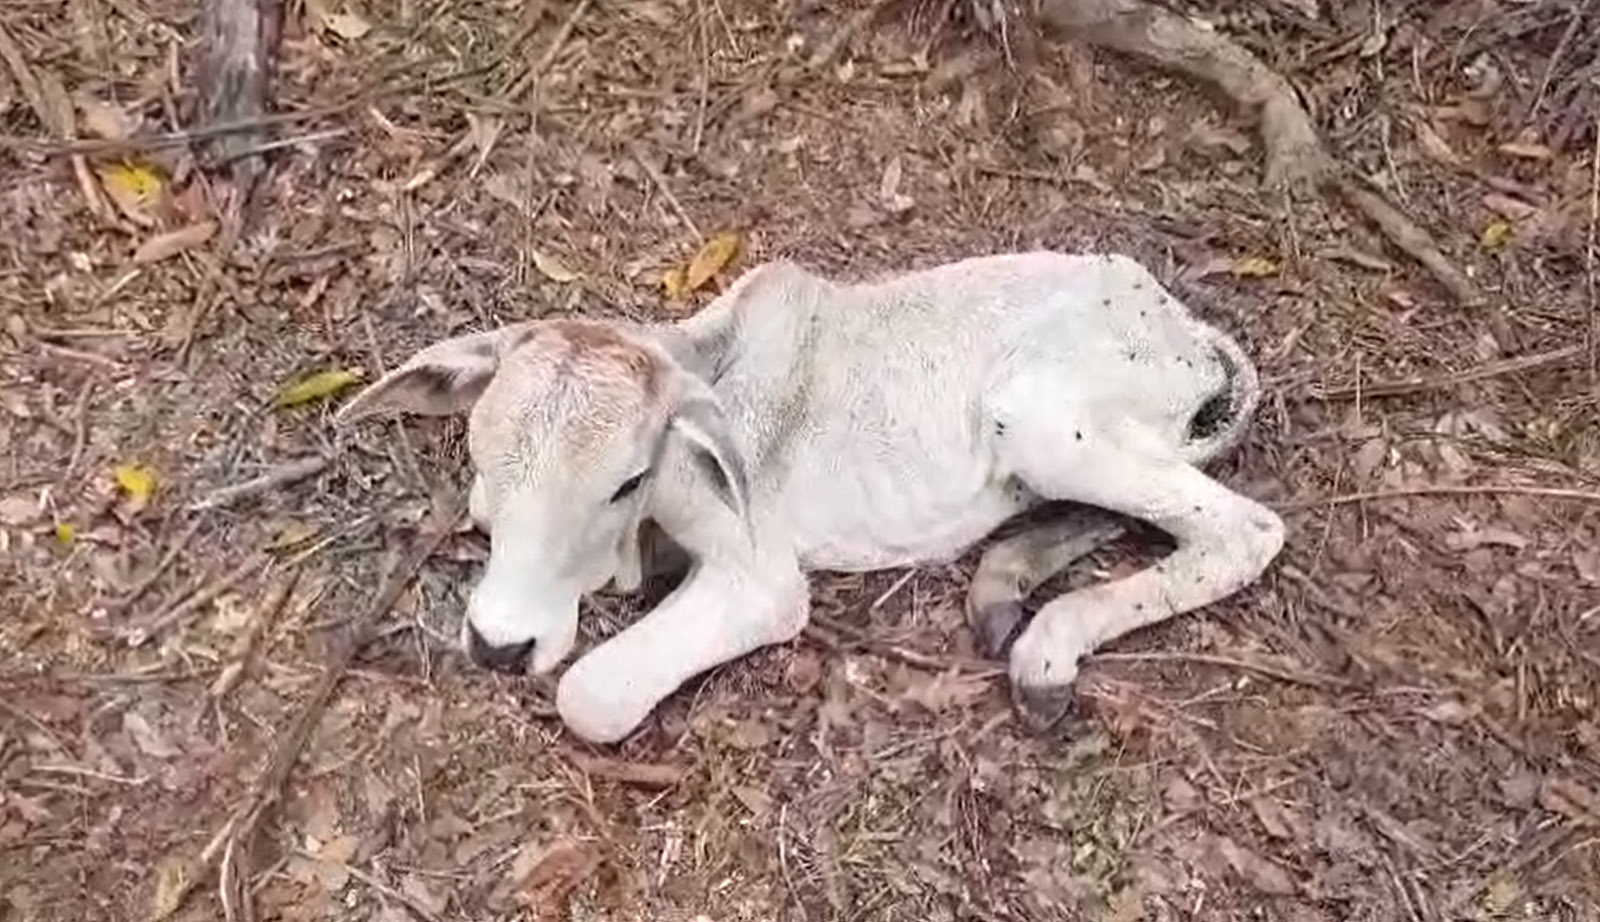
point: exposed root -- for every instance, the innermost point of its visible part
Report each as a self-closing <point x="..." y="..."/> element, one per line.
<point x="1295" y="154"/>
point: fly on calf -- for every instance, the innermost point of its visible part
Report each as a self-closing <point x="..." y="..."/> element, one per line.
<point x="799" y="424"/>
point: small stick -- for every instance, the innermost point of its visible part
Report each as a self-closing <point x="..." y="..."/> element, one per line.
<point x="241" y="826"/>
<point x="289" y="473"/>
<point x="381" y="888"/>
<point x="1440" y="382"/>
<point x="276" y="601"/>
<point x="1589" y="257"/>
<point x="161" y="567"/>
<point x="1310" y="679"/>
<point x="173" y="138"/>
<point x="80" y="437"/>
<point x="978" y="669"/>
<point x="661" y="183"/>
<point x="139" y="636"/>
<point x="1508" y="489"/>
<point x="521" y="84"/>
<point x="1415" y="241"/>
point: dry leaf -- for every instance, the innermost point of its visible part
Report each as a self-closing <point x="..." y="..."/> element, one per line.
<point x="674" y="283"/>
<point x="1509" y="208"/>
<point x="135" y="188"/>
<point x="345" y="24"/>
<point x="105" y="120"/>
<point x="171" y="243"/>
<point x="149" y="741"/>
<point x="1273" y="818"/>
<point x="1262" y="873"/>
<point x="889" y="188"/>
<point x="553" y="268"/>
<point x="713" y="257"/>
<point x="172" y="883"/>
<point x="757" y="801"/>
<point x="1495" y="234"/>
<point x="137" y="481"/>
<point x="889" y="185"/>
<point x="1254" y="267"/>
<point x="1571" y="799"/>
<point x="559" y="870"/>
<point x="1435" y="146"/>
<point x="317" y="386"/>
<point x="20" y="509"/>
<point x="1526" y="151"/>
<point x="950" y="689"/>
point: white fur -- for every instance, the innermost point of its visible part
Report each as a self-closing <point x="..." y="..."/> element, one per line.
<point x="871" y="425"/>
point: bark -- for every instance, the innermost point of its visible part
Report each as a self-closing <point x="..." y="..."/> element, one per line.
<point x="1294" y="151"/>
<point x="238" y="41"/>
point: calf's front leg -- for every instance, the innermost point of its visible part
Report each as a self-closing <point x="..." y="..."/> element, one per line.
<point x="718" y="614"/>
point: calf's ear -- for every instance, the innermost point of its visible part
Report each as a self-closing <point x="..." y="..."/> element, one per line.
<point x="447" y="377"/>
<point x="700" y="420"/>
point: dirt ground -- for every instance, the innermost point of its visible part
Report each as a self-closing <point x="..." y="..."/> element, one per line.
<point x="1397" y="723"/>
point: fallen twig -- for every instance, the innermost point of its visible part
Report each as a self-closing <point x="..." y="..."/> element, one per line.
<point x="1440" y="382"/>
<point x="660" y="181"/>
<point x="239" y="657"/>
<point x="520" y="85"/>
<point x="1410" y="238"/>
<point x="379" y="887"/>
<point x="241" y="825"/>
<point x="289" y="473"/>
<point x="976" y="668"/>
<point x="139" y="636"/>
<point x="1509" y="489"/>
<point x="1293" y="677"/>
<point x="640" y="774"/>
<point x="162" y="565"/>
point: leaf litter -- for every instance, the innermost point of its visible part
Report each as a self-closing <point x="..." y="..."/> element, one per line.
<point x="870" y="792"/>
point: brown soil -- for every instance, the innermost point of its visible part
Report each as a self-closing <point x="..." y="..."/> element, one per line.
<point x="1398" y="723"/>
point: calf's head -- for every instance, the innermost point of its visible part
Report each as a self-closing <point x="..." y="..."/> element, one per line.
<point x="568" y="423"/>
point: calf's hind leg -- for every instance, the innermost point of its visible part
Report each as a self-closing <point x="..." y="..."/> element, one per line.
<point x="1224" y="542"/>
<point x="1014" y="567"/>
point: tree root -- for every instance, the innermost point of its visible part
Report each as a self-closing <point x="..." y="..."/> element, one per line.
<point x="1295" y="154"/>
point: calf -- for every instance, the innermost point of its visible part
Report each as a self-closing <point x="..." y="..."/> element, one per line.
<point x="798" y="424"/>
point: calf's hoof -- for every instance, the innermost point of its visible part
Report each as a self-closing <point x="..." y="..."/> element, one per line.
<point x="997" y="627"/>
<point x="1041" y="708"/>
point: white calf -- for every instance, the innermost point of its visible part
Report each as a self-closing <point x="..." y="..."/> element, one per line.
<point x="801" y="424"/>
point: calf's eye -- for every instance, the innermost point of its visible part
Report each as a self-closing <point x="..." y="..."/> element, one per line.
<point x="628" y="486"/>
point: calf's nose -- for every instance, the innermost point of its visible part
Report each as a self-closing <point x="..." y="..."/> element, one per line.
<point x="511" y="658"/>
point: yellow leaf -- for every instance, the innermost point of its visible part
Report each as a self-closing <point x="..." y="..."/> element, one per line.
<point x="134" y="187"/>
<point x="65" y="533"/>
<point x="713" y="257"/>
<point x="673" y="284"/>
<point x="172" y="883"/>
<point x="136" y="480"/>
<point x="553" y="268"/>
<point x="1495" y="234"/>
<point x="1254" y="267"/>
<point x="314" y="387"/>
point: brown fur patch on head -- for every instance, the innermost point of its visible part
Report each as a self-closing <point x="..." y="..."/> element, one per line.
<point x="585" y="347"/>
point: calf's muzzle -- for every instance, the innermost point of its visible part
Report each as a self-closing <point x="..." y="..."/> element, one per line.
<point x="511" y="659"/>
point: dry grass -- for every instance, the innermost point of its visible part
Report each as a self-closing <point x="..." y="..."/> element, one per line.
<point x="1398" y="723"/>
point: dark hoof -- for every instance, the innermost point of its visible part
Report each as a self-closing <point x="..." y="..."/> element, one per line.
<point x="1041" y="709"/>
<point x="998" y="627"/>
